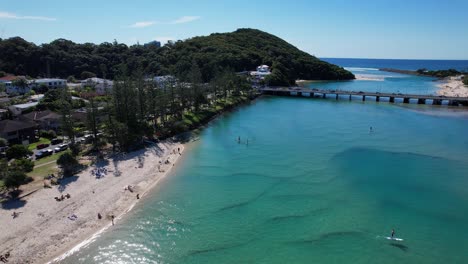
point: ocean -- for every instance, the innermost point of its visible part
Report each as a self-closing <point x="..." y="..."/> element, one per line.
<point x="310" y="182"/>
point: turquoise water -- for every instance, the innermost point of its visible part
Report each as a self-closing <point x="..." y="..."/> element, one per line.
<point x="313" y="185"/>
<point x="380" y="81"/>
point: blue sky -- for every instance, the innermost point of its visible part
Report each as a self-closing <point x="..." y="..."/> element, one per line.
<point x="408" y="29"/>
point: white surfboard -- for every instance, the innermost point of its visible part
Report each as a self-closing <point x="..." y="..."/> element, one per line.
<point x="394" y="238"/>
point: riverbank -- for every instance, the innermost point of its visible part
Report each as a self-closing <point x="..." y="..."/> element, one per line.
<point x="452" y="86"/>
<point x="45" y="228"/>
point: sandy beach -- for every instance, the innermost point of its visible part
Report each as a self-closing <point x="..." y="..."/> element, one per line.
<point x="45" y="228"/>
<point x="452" y="86"/>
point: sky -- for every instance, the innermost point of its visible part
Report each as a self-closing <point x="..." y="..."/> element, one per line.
<point x="396" y="29"/>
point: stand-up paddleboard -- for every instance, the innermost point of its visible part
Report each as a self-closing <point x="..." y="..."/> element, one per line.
<point x="394" y="238"/>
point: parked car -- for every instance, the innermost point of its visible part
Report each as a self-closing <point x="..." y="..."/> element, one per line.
<point x="62" y="147"/>
<point x="44" y="153"/>
<point x="88" y="138"/>
<point x="56" y="141"/>
<point x="42" y="146"/>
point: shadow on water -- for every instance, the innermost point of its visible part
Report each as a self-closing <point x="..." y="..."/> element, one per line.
<point x="219" y="248"/>
<point x="400" y="246"/>
<point x="327" y="236"/>
<point x="251" y="200"/>
<point x="405" y="176"/>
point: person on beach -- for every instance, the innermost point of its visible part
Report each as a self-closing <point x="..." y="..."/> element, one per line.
<point x="99" y="216"/>
<point x="14" y="214"/>
<point x="393" y="232"/>
<point x="112" y="216"/>
<point x="138" y="196"/>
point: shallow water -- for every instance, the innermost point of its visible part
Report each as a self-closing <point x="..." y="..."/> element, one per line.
<point x="313" y="185"/>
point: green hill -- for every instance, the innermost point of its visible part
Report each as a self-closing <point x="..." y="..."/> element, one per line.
<point x="241" y="50"/>
<point x="245" y="49"/>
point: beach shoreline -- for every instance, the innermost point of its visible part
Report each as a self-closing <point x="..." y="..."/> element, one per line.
<point x="452" y="86"/>
<point x="46" y="231"/>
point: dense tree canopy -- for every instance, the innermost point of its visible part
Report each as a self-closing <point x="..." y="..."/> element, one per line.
<point x="241" y="50"/>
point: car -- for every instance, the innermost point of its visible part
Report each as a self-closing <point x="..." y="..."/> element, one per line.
<point x="42" y="146"/>
<point x="44" y="153"/>
<point x="61" y="147"/>
<point x="56" y="141"/>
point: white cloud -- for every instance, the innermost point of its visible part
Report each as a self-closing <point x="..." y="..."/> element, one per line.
<point x="180" y="20"/>
<point x="185" y="19"/>
<point x="143" y="24"/>
<point x="15" y="16"/>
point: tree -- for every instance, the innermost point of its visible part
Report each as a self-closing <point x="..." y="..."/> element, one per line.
<point x="2" y="74"/>
<point x="65" y="109"/>
<point x="87" y="74"/>
<point x="91" y="119"/>
<point x="22" y="165"/>
<point x="3" y="142"/>
<point x="465" y="79"/>
<point x="68" y="163"/>
<point x="21" y="83"/>
<point x="14" y="179"/>
<point x="17" y="152"/>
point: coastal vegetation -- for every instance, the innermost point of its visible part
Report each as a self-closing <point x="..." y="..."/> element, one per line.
<point x="439" y="73"/>
<point x="429" y="73"/>
<point x="237" y="51"/>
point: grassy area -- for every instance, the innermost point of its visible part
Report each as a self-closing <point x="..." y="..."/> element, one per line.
<point x="39" y="173"/>
<point x="50" y="158"/>
<point x="33" y="146"/>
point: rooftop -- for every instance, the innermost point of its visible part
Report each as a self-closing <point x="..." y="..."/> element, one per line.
<point x="7" y="126"/>
<point x="25" y="106"/>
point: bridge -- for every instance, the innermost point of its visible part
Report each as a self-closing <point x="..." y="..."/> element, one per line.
<point x="405" y="98"/>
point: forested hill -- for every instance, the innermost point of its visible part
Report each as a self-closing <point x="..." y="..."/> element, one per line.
<point x="241" y="50"/>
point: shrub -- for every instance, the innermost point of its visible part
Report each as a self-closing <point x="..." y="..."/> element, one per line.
<point x="3" y="142"/>
<point x="24" y="165"/>
<point x="67" y="162"/>
<point x="17" y="152"/>
<point x="14" y="179"/>
<point x="49" y="134"/>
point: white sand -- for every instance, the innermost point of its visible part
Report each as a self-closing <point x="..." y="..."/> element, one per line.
<point x="452" y="86"/>
<point x="369" y="77"/>
<point x="42" y="231"/>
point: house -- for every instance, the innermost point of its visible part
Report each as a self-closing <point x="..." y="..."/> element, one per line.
<point x="49" y="83"/>
<point x="162" y="80"/>
<point x="10" y="87"/>
<point x="46" y="120"/>
<point x="260" y="74"/>
<point x="18" y="109"/>
<point x="17" y="131"/>
<point x="101" y="86"/>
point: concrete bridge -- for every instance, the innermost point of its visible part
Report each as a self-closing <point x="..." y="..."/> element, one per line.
<point x="405" y="98"/>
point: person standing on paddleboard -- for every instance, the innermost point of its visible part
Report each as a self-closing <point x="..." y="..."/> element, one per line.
<point x="393" y="232"/>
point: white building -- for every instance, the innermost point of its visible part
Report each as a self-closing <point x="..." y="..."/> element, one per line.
<point x="263" y="68"/>
<point x="101" y="86"/>
<point x="50" y="83"/>
<point x="262" y="71"/>
<point x="10" y="88"/>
